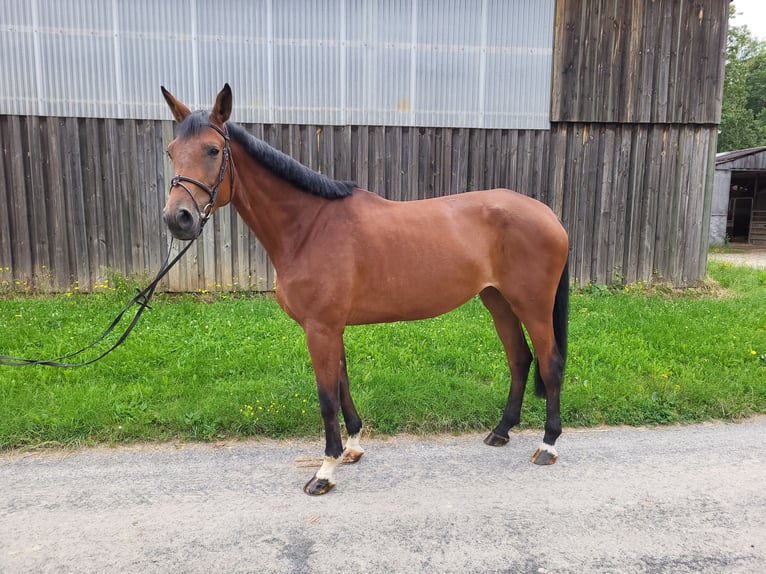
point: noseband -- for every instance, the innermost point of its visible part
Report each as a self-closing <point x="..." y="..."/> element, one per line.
<point x="212" y="192"/>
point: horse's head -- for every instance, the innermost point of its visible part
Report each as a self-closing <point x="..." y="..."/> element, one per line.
<point x="203" y="173"/>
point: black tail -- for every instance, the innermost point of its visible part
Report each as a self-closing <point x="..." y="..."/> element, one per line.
<point x="560" y="324"/>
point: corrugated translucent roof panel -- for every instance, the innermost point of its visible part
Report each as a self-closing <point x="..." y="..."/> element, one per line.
<point x="459" y="63"/>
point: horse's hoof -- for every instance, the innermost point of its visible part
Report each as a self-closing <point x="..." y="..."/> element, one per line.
<point x="494" y="439"/>
<point x="318" y="486"/>
<point x="545" y="455"/>
<point x="351" y="456"/>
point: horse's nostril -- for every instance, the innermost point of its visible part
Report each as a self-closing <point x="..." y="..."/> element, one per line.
<point x="182" y="223"/>
<point x="184" y="219"/>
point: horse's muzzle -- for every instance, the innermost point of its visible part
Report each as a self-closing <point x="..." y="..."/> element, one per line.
<point x="183" y="223"/>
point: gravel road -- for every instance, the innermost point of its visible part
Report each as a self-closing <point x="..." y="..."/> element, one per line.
<point x="670" y="499"/>
<point x="744" y="256"/>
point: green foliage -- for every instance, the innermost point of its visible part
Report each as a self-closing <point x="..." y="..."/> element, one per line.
<point x="743" y="112"/>
<point x="202" y="368"/>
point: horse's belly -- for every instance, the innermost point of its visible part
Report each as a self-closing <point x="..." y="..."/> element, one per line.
<point x="417" y="294"/>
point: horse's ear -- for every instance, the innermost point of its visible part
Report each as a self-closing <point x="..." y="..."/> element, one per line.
<point x="222" y="108"/>
<point x="179" y="110"/>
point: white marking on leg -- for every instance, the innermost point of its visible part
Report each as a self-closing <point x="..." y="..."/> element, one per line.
<point x="328" y="468"/>
<point x="353" y="443"/>
<point x="549" y="448"/>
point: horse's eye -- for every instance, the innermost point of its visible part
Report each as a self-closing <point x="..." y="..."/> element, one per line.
<point x="213" y="151"/>
<point x="167" y="151"/>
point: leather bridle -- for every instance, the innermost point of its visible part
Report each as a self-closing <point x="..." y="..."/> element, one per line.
<point x="212" y="192"/>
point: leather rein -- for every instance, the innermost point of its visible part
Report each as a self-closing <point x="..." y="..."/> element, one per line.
<point x="142" y="298"/>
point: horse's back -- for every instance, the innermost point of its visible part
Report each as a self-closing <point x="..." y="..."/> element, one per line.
<point x="482" y="218"/>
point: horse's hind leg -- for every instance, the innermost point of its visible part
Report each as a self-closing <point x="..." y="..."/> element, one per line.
<point x="353" y="451"/>
<point x="519" y="357"/>
<point x="551" y="366"/>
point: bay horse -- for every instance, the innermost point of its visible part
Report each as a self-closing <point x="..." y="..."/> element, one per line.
<point x="346" y="256"/>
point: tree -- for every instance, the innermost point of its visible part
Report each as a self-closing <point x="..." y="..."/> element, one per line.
<point x="743" y="112"/>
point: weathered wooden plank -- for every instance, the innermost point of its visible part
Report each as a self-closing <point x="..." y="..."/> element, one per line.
<point x="621" y="182"/>
<point x="93" y="186"/>
<point x="693" y="220"/>
<point x="147" y="193"/>
<point x="409" y="153"/>
<point x="500" y="172"/>
<point x="648" y="217"/>
<point x="57" y="232"/>
<point x="600" y="263"/>
<point x="393" y="163"/>
<point x="377" y="161"/>
<point x="130" y="200"/>
<point x="442" y="161"/>
<point x="223" y="248"/>
<point x="426" y="163"/>
<point x="632" y="66"/>
<point x="715" y="62"/>
<point x="342" y="157"/>
<point x="360" y="143"/>
<point x="436" y="158"/>
<point x="634" y="202"/>
<point x="566" y="57"/>
<point x="540" y="141"/>
<point x="514" y="181"/>
<point x="650" y="31"/>
<point x="460" y="155"/>
<point x="476" y="158"/>
<point x="590" y="200"/>
<point x="523" y="166"/>
<point x="35" y="183"/>
<point x="575" y="196"/>
<point x="662" y="62"/>
<point x="326" y="151"/>
<point x="678" y="209"/>
<point x="7" y="267"/>
<point x="668" y="174"/>
<point x="310" y="141"/>
<point x="18" y="210"/>
<point x="557" y="163"/>
<point x="490" y="159"/>
<point x="569" y="193"/>
<point x="78" y="243"/>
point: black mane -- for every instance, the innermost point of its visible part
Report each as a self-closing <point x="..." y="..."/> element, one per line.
<point x="275" y="161"/>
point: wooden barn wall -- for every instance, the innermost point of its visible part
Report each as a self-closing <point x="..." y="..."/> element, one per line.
<point x="635" y="199"/>
<point x="635" y="103"/>
<point x="639" y="61"/>
<point x="82" y="198"/>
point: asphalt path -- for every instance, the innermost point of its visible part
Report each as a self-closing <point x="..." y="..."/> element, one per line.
<point x="668" y="499"/>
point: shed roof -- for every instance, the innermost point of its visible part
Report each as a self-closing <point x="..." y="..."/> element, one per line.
<point x="742" y="158"/>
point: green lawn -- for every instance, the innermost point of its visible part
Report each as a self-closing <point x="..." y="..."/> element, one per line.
<point x="237" y="366"/>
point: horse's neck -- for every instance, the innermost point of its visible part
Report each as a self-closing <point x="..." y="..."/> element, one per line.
<point x="278" y="214"/>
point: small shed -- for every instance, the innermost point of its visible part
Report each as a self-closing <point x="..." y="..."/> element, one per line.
<point x="739" y="197"/>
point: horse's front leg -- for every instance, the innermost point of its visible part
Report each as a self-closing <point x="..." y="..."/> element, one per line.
<point x="353" y="451"/>
<point x="326" y="349"/>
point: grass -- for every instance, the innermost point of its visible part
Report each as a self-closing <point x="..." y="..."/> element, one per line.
<point x="204" y="368"/>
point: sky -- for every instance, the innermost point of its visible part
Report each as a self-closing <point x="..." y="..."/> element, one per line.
<point x="753" y="13"/>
